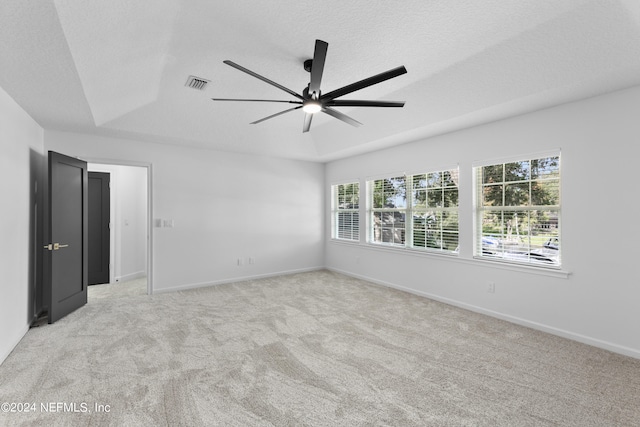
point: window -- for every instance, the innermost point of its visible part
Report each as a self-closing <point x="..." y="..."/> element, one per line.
<point x="418" y="211"/>
<point x="345" y="214"/>
<point x="388" y="211"/>
<point x="435" y="210"/>
<point x="518" y="211"/>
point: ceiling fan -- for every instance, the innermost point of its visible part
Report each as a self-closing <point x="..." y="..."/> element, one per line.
<point x="312" y="100"/>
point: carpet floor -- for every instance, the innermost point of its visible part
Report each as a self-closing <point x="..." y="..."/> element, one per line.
<point x="309" y="349"/>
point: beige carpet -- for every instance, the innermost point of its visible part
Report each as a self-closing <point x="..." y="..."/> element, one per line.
<point x="312" y="349"/>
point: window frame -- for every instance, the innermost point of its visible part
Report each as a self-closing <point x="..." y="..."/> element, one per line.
<point x="547" y="256"/>
<point x="337" y="211"/>
<point x="442" y="210"/>
<point x="408" y="211"/>
<point x="372" y="210"/>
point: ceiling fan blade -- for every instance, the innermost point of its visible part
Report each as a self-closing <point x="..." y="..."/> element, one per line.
<point x="264" y="79"/>
<point x="307" y="122"/>
<point x="341" y="116"/>
<point x="356" y="103"/>
<point x="275" y="115"/>
<point x="378" y="78"/>
<point x="255" y="100"/>
<point x="317" y="66"/>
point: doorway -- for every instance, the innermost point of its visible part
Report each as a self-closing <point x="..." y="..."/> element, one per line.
<point x="129" y="227"/>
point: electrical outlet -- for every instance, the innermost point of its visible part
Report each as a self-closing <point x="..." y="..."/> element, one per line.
<point x="491" y="288"/>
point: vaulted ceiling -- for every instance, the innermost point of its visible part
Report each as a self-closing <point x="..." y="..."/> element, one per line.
<point x="119" y="67"/>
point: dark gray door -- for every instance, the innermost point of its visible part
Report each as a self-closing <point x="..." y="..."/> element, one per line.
<point x="65" y="231"/>
<point x="99" y="216"/>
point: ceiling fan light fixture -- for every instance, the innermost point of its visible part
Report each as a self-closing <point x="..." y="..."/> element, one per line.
<point x="311" y="107"/>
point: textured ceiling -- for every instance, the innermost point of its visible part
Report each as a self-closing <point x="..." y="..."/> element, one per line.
<point x="119" y="68"/>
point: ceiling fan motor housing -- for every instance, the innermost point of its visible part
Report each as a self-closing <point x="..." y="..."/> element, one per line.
<point x="307" y="65"/>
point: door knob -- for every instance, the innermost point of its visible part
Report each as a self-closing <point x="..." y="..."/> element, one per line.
<point x="54" y="246"/>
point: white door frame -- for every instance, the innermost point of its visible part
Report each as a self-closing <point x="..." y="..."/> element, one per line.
<point x="149" y="168"/>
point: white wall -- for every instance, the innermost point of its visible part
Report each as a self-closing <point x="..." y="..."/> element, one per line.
<point x="599" y="302"/>
<point x="224" y="206"/>
<point x="128" y="220"/>
<point x="21" y="167"/>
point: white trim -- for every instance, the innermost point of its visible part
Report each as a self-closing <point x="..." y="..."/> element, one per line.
<point x="409" y="210"/>
<point x="522" y="268"/>
<point x="131" y="276"/>
<point x="478" y="210"/>
<point x="150" y="229"/>
<point x="626" y="351"/>
<point x="346" y="242"/>
<point x="188" y="286"/>
<point x="335" y="210"/>
<point x="149" y="167"/>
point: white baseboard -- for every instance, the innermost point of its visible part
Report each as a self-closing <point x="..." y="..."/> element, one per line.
<point x="234" y="280"/>
<point x="7" y="351"/>
<point x="132" y="276"/>
<point x="615" y="348"/>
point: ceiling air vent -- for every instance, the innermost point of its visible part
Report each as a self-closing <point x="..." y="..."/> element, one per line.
<point x="196" y="83"/>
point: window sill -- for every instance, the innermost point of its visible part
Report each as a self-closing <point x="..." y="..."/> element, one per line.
<point x="397" y="249"/>
<point x="345" y="241"/>
<point x="513" y="266"/>
<point x="454" y="257"/>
